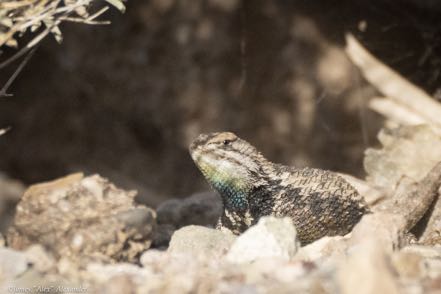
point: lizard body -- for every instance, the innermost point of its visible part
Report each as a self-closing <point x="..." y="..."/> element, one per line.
<point x="320" y="203"/>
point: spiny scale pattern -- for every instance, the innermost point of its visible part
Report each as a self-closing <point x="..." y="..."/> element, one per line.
<point x="320" y="203"/>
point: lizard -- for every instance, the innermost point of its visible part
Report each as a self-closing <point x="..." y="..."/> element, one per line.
<point x="319" y="202"/>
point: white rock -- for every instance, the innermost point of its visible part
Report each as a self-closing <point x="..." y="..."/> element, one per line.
<point x="152" y="257"/>
<point x="39" y="258"/>
<point x="271" y="237"/>
<point x="367" y="270"/>
<point x="322" y="248"/>
<point x="12" y="263"/>
<point x="200" y="241"/>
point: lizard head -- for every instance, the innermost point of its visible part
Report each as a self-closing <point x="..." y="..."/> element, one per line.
<point x="231" y="165"/>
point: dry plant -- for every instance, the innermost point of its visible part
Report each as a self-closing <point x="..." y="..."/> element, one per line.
<point x="43" y="17"/>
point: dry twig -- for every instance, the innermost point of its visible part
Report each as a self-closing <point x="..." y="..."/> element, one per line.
<point x="18" y="17"/>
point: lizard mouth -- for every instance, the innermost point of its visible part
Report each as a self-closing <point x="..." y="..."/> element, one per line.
<point x="195" y="155"/>
<point x="195" y="152"/>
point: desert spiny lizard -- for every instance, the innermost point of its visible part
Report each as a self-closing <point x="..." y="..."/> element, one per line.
<point x="320" y="203"/>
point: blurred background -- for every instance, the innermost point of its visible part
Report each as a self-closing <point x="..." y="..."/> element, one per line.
<point x="125" y="100"/>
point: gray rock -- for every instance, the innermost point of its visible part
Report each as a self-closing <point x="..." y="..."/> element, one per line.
<point x="83" y="219"/>
<point x="162" y="235"/>
<point x="202" y="209"/>
<point x="201" y="241"/>
<point x="270" y="237"/>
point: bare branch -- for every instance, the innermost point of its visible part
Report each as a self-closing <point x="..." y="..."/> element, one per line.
<point x="18" y="17"/>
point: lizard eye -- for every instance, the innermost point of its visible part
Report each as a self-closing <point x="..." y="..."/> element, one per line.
<point x="226" y="142"/>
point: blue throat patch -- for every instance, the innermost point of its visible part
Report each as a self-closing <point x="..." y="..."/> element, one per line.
<point x="232" y="196"/>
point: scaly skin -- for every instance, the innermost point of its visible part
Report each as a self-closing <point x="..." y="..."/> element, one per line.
<point x="320" y="203"/>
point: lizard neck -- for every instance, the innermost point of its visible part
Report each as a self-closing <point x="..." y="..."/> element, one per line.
<point x="234" y="194"/>
<point x="249" y="197"/>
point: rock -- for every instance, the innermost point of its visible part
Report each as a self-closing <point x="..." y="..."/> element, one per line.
<point x="432" y="232"/>
<point x="32" y="281"/>
<point x="424" y="251"/>
<point x="408" y="265"/>
<point x="102" y="273"/>
<point x="407" y="151"/>
<point x="12" y="263"/>
<point x="322" y="248"/>
<point x="83" y="218"/>
<point x="202" y="209"/>
<point x="39" y="258"/>
<point x="385" y="228"/>
<point x="281" y="270"/>
<point x="409" y="164"/>
<point x="270" y="237"/>
<point x="152" y="257"/>
<point x="367" y="271"/>
<point x="420" y="261"/>
<point x="162" y="235"/>
<point x="67" y="267"/>
<point x="119" y="284"/>
<point x="201" y="241"/>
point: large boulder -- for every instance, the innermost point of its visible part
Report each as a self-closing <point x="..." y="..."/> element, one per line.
<point x="82" y="218"/>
